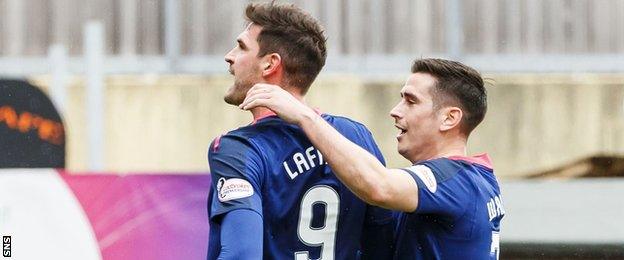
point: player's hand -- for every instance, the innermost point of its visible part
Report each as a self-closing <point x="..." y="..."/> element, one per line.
<point x="278" y="100"/>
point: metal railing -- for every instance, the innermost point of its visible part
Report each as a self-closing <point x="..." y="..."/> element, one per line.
<point x="364" y="36"/>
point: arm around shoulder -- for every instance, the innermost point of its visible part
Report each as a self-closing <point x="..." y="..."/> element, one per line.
<point x="359" y="170"/>
<point x="395" y="190"/>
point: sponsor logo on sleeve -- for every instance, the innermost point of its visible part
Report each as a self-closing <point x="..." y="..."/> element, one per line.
<point x="235" y="188"/>
<point x="425" y="174"/>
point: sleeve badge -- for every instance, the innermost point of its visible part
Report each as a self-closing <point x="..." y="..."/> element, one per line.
<point x="235" y="188"/>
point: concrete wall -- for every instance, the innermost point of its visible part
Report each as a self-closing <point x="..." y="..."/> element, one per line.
<point x="165" y="123"/>
<point x="544" y="211"/>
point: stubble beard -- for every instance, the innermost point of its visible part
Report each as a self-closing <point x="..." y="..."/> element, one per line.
<point x="230" y="96"/>
<point x="237" y="92"/>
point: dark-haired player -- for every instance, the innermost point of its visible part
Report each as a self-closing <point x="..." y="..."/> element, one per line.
<point x="273" y="194"/>
<point x="450" y="204"/>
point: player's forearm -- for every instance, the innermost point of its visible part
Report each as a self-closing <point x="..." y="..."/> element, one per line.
<point x="359" y="170"/>
<point x="234" y="246"/>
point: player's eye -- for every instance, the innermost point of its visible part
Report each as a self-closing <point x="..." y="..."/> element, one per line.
<point x="240" y="45"/>
<point x="410" y="99"/>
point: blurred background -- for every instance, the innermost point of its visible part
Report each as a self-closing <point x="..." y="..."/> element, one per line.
<point x="134" y="87"/>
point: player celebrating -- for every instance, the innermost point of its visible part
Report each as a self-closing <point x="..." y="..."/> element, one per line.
<point x="273" y="194"/>
<point x="450" y="203"/>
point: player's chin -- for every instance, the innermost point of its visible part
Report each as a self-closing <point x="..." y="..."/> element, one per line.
<point x="233" y="99"/>
<point x="401" y="149"/>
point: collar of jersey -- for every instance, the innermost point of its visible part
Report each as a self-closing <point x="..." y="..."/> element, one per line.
<point x="271" y="113"/>
<point x="480" y="159"/>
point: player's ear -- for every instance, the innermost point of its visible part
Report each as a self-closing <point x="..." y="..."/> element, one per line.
<point x="451" y="117"/>
<point x="270" y="64"/>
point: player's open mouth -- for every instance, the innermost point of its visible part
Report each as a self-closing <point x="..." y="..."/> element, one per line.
<point x="402" y="131"/>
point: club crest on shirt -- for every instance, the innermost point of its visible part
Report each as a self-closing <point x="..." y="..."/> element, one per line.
<point x="235" y="188"/>
<point x="425" y="174"/>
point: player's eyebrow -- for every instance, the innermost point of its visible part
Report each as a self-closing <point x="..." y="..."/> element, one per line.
<point x="409" y="96"/>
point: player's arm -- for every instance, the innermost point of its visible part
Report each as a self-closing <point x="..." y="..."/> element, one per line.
<point x="236" y="203"/>
<point x="241" y="235"/>
<point x="379" y="224"/>
<point x="355" y="167"/>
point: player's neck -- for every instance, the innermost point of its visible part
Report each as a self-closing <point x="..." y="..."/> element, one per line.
<point x="261" y="112"/>
<point x="452" y="143"/>
<point x="295" y="92"/>
<point x="457" y="151"/>
<point x="443" y="148"/>
<point x="452" y="147"/>
<point x="279" y="81"/>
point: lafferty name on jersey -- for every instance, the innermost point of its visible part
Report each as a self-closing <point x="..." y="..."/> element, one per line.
<point x="303" y="161"/>
<point x="495" y="208"/>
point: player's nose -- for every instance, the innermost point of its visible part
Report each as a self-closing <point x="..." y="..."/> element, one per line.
<point x="229" y="58"/>
<point x="396" y="112"/>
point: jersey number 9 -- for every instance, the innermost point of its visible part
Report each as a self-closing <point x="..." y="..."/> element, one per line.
<point x="325" y="236"/>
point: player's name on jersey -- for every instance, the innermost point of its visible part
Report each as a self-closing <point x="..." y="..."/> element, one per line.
<point x="495" y="208"/>
<point x="303" y="161"/>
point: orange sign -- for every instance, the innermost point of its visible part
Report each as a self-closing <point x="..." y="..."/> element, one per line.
<point x="48" y="130"/>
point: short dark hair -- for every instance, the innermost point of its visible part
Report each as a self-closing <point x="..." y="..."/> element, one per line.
<point x="459" y="85"/>
<point x="295" y="35"/>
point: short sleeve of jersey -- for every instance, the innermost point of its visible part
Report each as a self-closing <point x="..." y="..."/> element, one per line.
<point x="236" y="172"/>
<point x="441" y="190"/>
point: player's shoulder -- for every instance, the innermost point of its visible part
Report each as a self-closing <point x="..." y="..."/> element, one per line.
<point x="267" y="127"/>
<point x="337" y="119"/>
<point x="344" y="123"/>
<point x="248" y="137"/>
<point x="235" y="141"/>
<point x="438" y="170"/>
<point x="443" y="169"/>
<point x="430" y="174"/>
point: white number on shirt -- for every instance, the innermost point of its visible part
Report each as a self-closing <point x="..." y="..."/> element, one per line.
<point x="325" y="236"/>
<point x="495" y="248"/>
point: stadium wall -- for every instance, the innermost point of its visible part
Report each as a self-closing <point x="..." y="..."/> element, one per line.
<point x="165" y="123"/>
